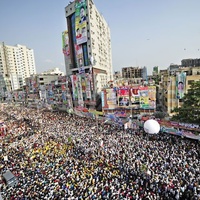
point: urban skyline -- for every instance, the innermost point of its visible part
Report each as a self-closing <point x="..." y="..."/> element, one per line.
<point x="148" y="33"/>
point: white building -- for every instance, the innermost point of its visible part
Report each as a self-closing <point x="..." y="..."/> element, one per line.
<point x="16" y="64"/>
<point x="55" y="70"/>
<point x="87" y="43"/>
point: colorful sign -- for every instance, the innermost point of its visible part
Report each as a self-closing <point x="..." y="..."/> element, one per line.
<point x="123" y="96"/>
<point x="65" y="43"/>
<point x="134" y="97"/>
<point x="123" y="91"/>
<point x="111" y="96"/>
<point x="80" y="20"/>
<point x="180" y="85"/>
<point x="152" y="97"/>
<point x="74" y="81"/>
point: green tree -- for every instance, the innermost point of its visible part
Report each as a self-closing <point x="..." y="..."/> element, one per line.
<point x="189" y="112"/>
<point x="159" y="115"/>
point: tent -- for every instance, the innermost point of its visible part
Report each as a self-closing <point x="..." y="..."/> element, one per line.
<point x="151" y="126"/>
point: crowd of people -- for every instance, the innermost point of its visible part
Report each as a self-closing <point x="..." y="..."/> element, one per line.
<point x="60" y="156"/>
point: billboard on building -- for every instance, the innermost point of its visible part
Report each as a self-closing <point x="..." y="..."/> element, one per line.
<point x="74" y="81"/>
<point x="123" y="96"/>
<point x="79" y="54"/>
<point x="144" y="97"/>
<point x="80" y="92"/>
<point x="134" y="97"/>
<point x="111" y="96"/>
<point x="152" y="97"/>
<point x="80" y="21"/>
<point x="65" y="43"/>
<point x="180" y="85"/>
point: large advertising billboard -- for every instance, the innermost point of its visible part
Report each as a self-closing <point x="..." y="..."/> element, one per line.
<point x="80" y="20"/>
<point x="74" y="81"/>
<point x="111" y="96"/>
<point x="134" y="97"/>
<point x="137" y="97"/>
<point x="180" y="85"/>
<point x="123" y="96"/>
<point x="152" y="97"/>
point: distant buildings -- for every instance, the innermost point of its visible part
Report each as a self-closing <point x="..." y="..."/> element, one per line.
<point x="190" y="62"/>
<point x="16" y="64"/>
<point x="175" y="82"/>
<point x="38" y="82"/>
<point x="134" y="72"/>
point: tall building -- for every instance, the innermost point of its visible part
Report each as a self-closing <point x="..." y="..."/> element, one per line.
<point x="16" y="64"/>
<point x="87" y="48"/>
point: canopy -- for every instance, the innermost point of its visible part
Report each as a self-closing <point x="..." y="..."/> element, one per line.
<point x="151" y="126"/>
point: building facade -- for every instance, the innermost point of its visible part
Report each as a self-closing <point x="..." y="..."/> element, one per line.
<point x="134" y="72"/>
<point x="87" y="49"/>
<point x="16" y="64"/>
<point x="175" y="82"/>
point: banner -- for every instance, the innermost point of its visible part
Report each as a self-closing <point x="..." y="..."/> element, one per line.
<point x="65" y="43"/>
<point x="180" y="85"/>
<point x="134" y="97"/>
<point x="152" y="97"/>
<point x="123" y="96"/>
<point x="80" y="93"/>
<point x="123" y="91"/>
<point x="79" y="55"/>
<point x="74" y="81"/>
<point x="144" y="97"/>
<point x="80" y="21"/>
<point x="111" y="96"/>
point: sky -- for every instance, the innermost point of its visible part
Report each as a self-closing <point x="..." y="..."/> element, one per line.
<point x="143" y="32"/>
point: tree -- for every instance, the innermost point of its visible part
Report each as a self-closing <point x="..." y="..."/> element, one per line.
<point x="159" y="115"/>
<point x="189" y="112"/>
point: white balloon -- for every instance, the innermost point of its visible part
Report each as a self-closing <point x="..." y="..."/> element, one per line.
<point x="151" y="126"/>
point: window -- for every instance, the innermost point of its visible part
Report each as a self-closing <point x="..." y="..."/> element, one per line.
<point x="190" y="82"/>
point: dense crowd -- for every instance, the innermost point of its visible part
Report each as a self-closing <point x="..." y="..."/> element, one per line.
<point x="59" y="156"/>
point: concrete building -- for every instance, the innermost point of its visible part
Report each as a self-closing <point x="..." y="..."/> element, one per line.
<point x="134" y="72"/>
<point x="190" y="62"/>
<point x="16" y="64"/>
<point x="174" y="85"/>
<point x="87" y="45"/>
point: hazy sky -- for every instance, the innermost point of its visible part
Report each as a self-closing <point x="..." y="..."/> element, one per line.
<point x="143" y="32"/>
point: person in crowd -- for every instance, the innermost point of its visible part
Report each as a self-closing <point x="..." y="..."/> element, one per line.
<point x="57" y="156"/>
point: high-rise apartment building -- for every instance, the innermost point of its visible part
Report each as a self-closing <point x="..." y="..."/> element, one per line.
<point x="16" y="64"/>
<point x="87" y="47"/>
